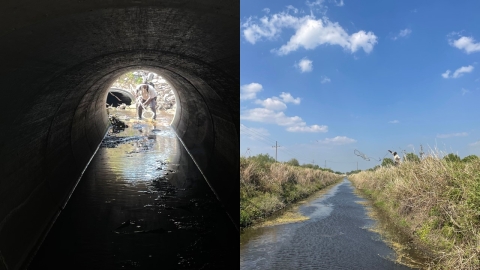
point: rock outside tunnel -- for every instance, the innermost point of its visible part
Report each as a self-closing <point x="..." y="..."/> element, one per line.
<point x="59" y="60"/>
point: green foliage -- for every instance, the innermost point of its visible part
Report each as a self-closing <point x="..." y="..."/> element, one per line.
<point x="353" y="172"/>
<point x="412" y="157"/>
<point x="387" y="162"/>
<point x="293" y="162"/>
<point x="452" y="158"/>
<point x="470" y="158"/>
<point x="263" y="158"/>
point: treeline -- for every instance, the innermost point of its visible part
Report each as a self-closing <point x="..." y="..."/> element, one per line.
<point x="435" y="201"/>
<point x="267" y="186"/>
<point x="293" y="162"/>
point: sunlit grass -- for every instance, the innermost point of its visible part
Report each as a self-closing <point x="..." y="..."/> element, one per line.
<point x="436" y="201"/>
<point x="268" y="187"/>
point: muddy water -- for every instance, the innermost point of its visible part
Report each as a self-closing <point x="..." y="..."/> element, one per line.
<point x="335" y="236"/>
<point x="141" y="204"/>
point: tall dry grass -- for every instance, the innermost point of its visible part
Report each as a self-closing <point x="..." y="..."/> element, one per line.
<point x="436" y="202"/>
<point x="268" y="187"/>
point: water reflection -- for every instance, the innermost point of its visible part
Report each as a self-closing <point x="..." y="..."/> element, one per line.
<point x="334" y="237"/>
<point x="142" y="203"/>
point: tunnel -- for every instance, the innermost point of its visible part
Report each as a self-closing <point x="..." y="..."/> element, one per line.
<point x="118" y="96"/>
<point x="58" y="60"/>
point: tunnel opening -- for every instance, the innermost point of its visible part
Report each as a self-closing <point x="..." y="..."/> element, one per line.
<point x="144" y="193"/>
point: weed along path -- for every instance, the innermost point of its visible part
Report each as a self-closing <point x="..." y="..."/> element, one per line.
<point x="335" y="235"/>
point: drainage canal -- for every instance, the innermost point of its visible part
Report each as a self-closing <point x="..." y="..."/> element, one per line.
<point x="141" y="204"/>
<point x="335" y="236"/>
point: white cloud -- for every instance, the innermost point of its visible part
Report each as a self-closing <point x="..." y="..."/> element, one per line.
<point x="460" y="134"/>
<point x="339" y="140"/>
<point x="249" y="91"/>
<point x="339" y="3"/>
<point x="445" y="75"/>
<point x="312" y="128"/>
<point x="403" y="33"/>
<point x="286" y="97"/>
<point x="309" y="33"/>
<point x="414" y="11"/>
<point x="266" y="10"/>
<point x="293" y="124"/>
<point x="464" y="91"/>
<point x="394" y="122"/>
<point x="325" y="79"/>
<point x="316" y="3"/>
<point x="305" y="65"/>
<point x="458" y="73"/>
<point x="272" y="104"/>
<point x="466" y="43"/>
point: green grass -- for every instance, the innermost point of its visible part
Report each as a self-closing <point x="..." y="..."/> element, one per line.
<point x="266" y="187"/>
<point x="436" y="201"/>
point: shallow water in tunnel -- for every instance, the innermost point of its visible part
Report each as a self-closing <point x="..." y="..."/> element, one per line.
<point x="141" y="204"/>
<point x="336" y="235"/>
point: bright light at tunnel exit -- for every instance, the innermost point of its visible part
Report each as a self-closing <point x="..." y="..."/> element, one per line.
<point x="121" y="94"/>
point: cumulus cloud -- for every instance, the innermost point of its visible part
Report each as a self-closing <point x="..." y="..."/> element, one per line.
<point x="325" y="79"/>
<point x="339" y="140"/>
<point x="460" y="134"/>
<point x="287" y="98"/>
<point x="466" y="43"/>
<point x="394" y="122"/>
<point x="266" y="10"/>
<point x="458" y="73"/>
<point x="272" y="104"/>
<point x="309" y="33"/>
<point x="293" y="124"/>
<point x="305" y="65"/>
<point x="249" y="91"/>
<point x="403" y="33"/>
<point x="464" y="91"/>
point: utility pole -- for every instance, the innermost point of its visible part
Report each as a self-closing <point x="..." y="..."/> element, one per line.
<point x="357" y="165"/>
<point x="276" y="146"/>
<point x="325" y="164"/>
<point x="421" y="152"/>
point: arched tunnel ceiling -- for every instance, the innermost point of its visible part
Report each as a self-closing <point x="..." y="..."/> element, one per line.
<point x="58" y="59"/>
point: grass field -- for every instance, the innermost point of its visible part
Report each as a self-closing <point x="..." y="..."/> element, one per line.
<point x="266" y="187"/>
<point x="435" y="201"/>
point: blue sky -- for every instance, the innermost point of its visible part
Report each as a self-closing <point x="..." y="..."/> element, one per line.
<point x="324" y="78"/>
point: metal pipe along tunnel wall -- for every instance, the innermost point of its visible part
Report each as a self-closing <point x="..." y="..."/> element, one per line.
<point x="58" y="61"/>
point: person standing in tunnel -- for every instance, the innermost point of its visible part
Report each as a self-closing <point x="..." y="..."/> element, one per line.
<point x="146" y="96"/>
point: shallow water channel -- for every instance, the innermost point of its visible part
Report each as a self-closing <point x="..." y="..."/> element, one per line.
<point x="141" y="204"/>
<point x="335" y="236"/>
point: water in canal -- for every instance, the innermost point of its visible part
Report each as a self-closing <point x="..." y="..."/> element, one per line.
<point x="336" y="236"/>
<point x="141" y="204"/>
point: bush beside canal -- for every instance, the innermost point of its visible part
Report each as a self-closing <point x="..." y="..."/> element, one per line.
<point x="267" y="186"/>
<point x="435" y="201"/>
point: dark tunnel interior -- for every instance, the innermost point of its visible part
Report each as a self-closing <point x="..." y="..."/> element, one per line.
<point x="58" y="59"/>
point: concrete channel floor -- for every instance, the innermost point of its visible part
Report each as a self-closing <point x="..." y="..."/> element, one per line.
<point x="141" y="204"/>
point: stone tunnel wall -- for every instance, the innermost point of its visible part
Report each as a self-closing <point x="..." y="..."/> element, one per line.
<point x="53" y="123"/>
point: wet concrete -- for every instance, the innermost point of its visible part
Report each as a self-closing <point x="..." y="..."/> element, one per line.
<point x="141" y="204"/>
<point x="336" y="236"/>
